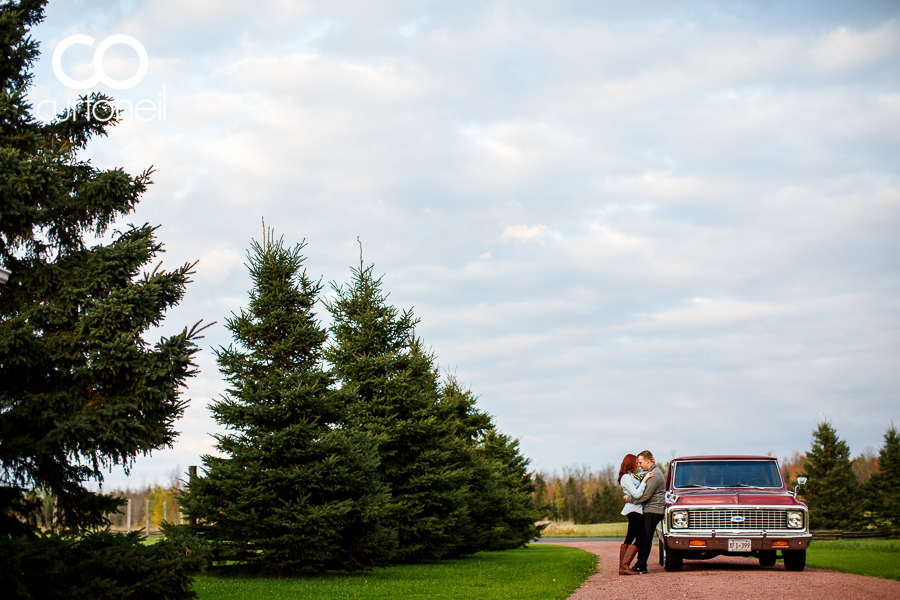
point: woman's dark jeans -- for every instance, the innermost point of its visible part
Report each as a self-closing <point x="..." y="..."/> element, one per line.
<point x="635" y="533"/>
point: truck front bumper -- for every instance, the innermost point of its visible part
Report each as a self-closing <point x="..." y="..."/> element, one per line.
<point x="718" y="540"/>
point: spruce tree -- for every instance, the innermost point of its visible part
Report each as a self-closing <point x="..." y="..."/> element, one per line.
<point x="501" y="511"/>
<point x="377" y="357"/>
<point x="832" y="492"/>
<point x="505" y="513"/>
<point x="82" y="390"/>
<point x="883" y="489"/>
<point x="296" y="488"/>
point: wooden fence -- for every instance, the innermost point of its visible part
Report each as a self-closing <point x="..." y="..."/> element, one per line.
<point x="837" y="534"/>
<point x="131" y="523"/>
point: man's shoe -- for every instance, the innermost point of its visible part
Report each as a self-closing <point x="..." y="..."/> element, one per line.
<point x="639" y="569"/>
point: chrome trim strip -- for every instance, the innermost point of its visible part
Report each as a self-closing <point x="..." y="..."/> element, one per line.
<point x="740" y="506"/>
<point x="681" y="533"/>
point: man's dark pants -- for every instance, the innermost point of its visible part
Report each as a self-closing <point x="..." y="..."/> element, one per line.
<point x="651" y="520"/>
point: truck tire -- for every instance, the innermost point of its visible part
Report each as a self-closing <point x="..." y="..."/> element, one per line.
<point x="767" y="558"/>
<point x="794" y="560"/>
<point x="674" y="560"/>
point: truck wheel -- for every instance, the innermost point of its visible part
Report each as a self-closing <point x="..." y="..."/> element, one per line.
<point x="794" y="560"/>
<point x="674" y="560"/>
<point x="767" y="558"/>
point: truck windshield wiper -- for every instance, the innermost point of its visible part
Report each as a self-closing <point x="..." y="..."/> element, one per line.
<point x="746" y="485"/>
<point x="694" y="485"/>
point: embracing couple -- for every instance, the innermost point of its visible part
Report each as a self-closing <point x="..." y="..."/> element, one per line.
<point x="645" y="490"/>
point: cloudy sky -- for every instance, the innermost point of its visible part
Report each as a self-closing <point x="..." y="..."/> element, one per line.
<point x="625" y="225"/>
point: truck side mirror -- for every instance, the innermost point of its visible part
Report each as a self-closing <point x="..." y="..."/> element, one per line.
<point x="800" y="481"/>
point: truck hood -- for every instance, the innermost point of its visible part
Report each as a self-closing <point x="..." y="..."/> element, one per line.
<point x="726" y="496"/>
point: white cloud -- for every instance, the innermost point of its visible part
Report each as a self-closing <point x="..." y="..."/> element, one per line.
<point x="704" y="313"/>
<point x="668" y="152"/>
<point x="218" y="264"/>
<point x="524" y="233"/>
<point x="321" y="78"/>
<point x="846" y="47"/>
<point x="672" y="186"/>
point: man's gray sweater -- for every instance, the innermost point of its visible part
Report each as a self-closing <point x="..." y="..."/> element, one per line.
<point x="654" y="496"/>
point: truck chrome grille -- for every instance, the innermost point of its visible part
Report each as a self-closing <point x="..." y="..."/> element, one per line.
<point x="747" y="519"/>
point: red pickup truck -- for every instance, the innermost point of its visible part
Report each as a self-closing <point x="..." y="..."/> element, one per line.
<point x="731" y="505"/>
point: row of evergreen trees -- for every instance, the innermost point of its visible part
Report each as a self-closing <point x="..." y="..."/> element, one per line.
<point x="836" y="495"/>
<point x="348" y="450"/>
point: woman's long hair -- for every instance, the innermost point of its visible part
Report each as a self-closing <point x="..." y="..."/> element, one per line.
<point x="629" y="464"/>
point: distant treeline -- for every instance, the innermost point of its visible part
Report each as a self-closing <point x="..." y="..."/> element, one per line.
<point x="579" y="495"/>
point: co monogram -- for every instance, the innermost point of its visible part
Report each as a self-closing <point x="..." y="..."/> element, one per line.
<point x="99" y="73"/>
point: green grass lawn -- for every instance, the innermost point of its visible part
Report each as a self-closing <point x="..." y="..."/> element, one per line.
<point x="876" y="558"/>
<point x="539" y="572"/>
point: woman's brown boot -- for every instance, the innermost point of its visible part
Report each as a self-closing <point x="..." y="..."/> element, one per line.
<point x="626" y="555"/>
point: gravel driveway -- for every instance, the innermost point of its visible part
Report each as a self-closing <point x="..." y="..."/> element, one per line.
<point x="723" y="577"/>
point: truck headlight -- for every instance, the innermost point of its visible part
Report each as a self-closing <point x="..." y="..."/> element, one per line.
<point x="679" y="519"/>
<point x="795" y="519"/>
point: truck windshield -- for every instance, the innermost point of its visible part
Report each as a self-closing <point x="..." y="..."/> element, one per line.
<point x="724" y="473"/>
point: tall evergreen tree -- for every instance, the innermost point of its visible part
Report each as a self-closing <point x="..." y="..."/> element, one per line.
<point x="377" y="357"/>
<point x="499" y="498"/>
<point x="82" y="391"/>
<point x="297" y="489"/>
<point x="507" y="517"/>
<point x="832" y="491"/>
<point x="883" y="489"/>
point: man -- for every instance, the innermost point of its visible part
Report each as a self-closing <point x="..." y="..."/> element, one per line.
<point x="654" y="501"/>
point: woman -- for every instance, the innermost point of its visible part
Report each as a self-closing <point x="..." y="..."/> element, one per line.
<point x="633" y="485"/>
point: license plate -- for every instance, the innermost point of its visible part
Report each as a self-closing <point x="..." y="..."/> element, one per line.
<point x="739" y="546"/>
